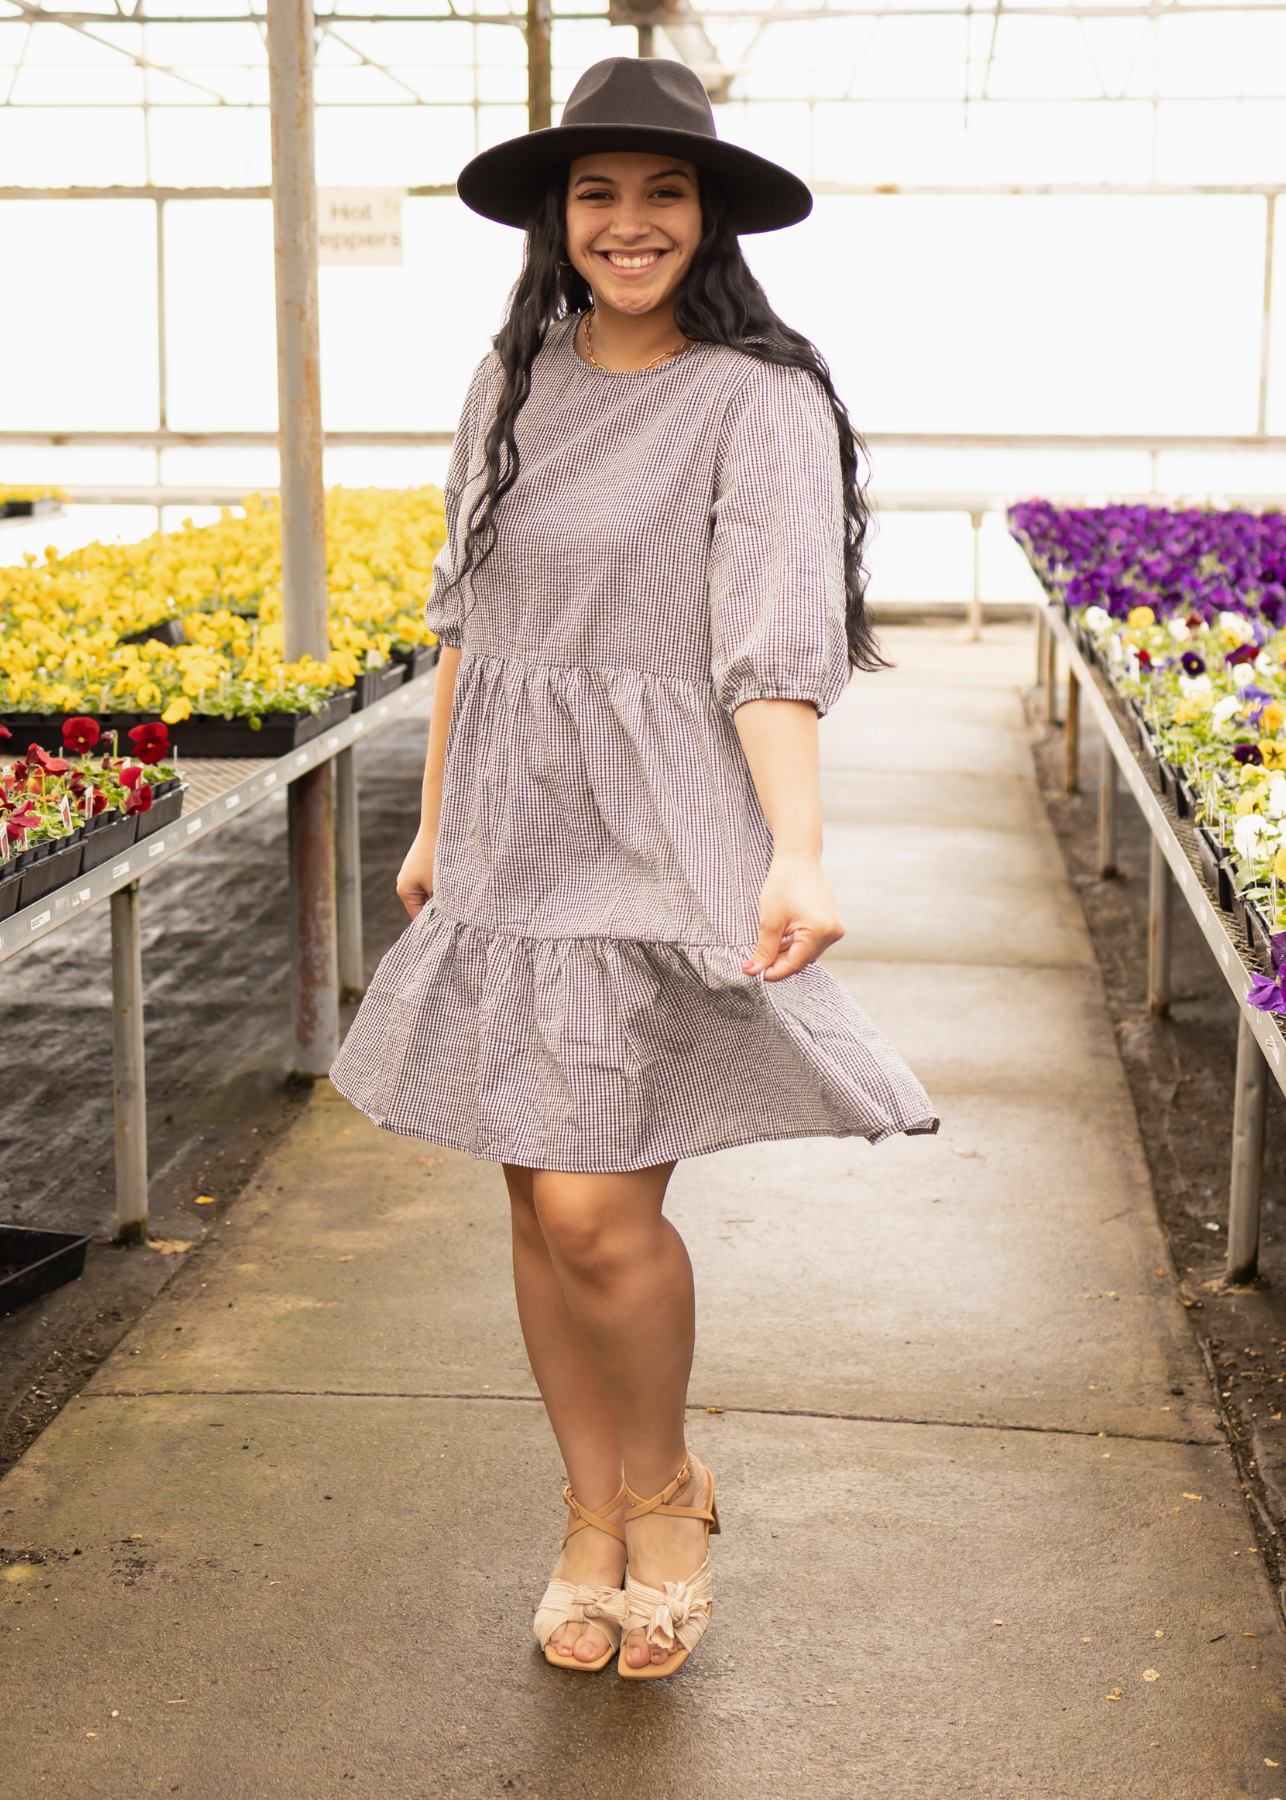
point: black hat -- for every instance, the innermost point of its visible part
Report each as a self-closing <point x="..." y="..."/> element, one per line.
<point x="633" y="103"/>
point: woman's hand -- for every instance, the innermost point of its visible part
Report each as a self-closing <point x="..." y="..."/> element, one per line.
<point x="797" y="917"/>
<point x="415" y="877"/>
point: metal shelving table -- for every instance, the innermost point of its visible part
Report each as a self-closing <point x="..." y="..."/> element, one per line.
<point x="219" y="790"/>
<point x="1175" y="867"/>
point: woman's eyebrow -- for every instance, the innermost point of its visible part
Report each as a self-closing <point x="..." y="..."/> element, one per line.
<point x="660" y="175"/>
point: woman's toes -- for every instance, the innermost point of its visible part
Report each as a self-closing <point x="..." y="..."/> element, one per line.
<point x="638" y="1652"/>
<point x="590" y="1646"/>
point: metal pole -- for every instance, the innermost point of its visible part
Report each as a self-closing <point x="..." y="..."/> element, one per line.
<point x="162" y="382"/>
<point x="314" y="970"/>
<point x="1072" y="735"/>
<point x="128" y="1068"/>
<point x="348" y="869"/>
<point x="647" y="40"/>
<point x="1266" y="329"/>
<point x="1108" y="789"/>
<point x="314" y="964"/>
<point x="1247" y="1155"/>
<point x="975" y="604"/>
<point x="539" y="114"/>
<point x="1051" y="678"/>
<point x="1042" y="635"/>
<point x="1160" y="918"/>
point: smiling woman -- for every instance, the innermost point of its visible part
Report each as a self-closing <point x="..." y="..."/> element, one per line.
<point x="652" y="587"/>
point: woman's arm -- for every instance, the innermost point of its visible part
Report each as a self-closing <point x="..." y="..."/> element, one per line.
<point x="797" y="916"/>
<point x="415" y="878"/>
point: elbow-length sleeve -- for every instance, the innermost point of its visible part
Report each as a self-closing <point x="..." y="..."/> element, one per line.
<point x="777" y="597"/>
<point x="444" y="609"/>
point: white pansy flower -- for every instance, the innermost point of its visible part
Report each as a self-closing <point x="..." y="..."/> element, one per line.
<point x="1264" y="664"/>
<point x="1191" y="686"/>
<point x="1237" y="626"/>
<point x="1096" y="619"/>
<point x="1178" y="629"/>
<point x="1277" y="796"/>
<point x="1242" y="674"/>
<point x="1225" y="709"/>
<point x="1248" y="834"/>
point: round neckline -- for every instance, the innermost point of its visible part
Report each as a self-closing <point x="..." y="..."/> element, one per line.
<point x="572" y="325"/>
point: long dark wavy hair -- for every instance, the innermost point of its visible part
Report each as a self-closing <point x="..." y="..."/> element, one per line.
<point x="720" y="302"/>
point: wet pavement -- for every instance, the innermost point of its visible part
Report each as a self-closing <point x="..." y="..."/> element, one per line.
<point x="289" y="1539"/>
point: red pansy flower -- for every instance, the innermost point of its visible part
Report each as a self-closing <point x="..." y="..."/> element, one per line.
<point x="52" y="765"/>
<point x="131" y="775"/>
<point x="150" y="742"/>
<point x="140" y="799"/>
<point x="80" y="735"/>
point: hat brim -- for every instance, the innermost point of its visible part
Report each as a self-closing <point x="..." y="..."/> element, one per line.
<point x="507" y="182"/>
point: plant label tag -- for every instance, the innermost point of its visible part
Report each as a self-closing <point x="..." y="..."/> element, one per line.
<point x="64" y="812"/>
<point x="359" y="228"/>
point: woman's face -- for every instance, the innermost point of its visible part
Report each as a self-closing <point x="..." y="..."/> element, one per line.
<point x="633" y="227"/>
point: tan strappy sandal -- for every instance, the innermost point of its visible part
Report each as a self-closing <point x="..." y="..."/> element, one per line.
<point x="674" y="1617"/>
<point x="574" y="1603"/>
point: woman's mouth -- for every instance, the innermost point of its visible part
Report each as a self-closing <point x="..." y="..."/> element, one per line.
<point x="632" y="259"/>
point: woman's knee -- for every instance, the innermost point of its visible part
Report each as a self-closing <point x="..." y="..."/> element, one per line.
<point x="582" y="1228"/>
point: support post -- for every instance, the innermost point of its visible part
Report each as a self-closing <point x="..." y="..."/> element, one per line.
<point x="1072" y="735"/>
<point x="1051" y="677"/>
<point x="975" y="603"/>
<point x="1042" y="637"/>
<point x="647" y="40"/>
<point x="1248" y="1117"/>
<point x="348" y="877"/>
<point x="1266" y="327"/>
<point x="1108" y="791"/>
<point x="162" y="374"/>
<point x="539" y="99"/>
<point x="128" y="1068"/>
<point x="314" y="971"/>
<point x="1160" y="918"/>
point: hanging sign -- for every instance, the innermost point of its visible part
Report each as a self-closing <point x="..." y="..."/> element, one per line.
<point x="359" y="228"/>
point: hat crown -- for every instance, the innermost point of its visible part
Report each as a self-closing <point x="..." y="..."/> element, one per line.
<point x="629" y="90"/>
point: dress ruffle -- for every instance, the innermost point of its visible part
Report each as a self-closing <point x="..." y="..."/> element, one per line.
<point x="609" y="1054"/>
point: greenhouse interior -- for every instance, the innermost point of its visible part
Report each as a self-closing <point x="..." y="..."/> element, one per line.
<point x="322" y="1058"/>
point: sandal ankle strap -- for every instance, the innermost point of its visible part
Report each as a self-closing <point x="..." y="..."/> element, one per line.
<point x="582" y="1518"/>
<point x="639" y="1508"/>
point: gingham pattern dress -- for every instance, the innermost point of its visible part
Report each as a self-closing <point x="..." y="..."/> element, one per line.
<point x="572" y="998"/>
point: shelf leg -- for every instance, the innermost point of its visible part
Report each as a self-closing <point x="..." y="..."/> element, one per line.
<point x="975" y="603"/>
<point x="1160" y="917"/>
<point x="1042" y="636"/>
<point x="1072" y="735"/>
<point x="348" y="877"/>
<point x="128" y="1068"/>
<point x="1247" y="1155"/>
<point x="1051" y="678"/>
<point x="1108" y="791"/>
<point x="314" y="970"/>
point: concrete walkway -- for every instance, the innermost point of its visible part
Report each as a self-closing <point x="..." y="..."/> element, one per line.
<point x="981" y="1537"/>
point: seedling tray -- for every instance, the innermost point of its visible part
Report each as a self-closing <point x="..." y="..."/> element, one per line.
<point x="35" y="1262"/>
<point x="375" y="683"/>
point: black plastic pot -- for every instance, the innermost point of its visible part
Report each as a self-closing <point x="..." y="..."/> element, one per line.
<point x="109" y="838"/>
<point x="376" y="683"/>
<point x="419" y="659"/>
<point x="166" y="631"/>
<point x="161" y="812"/>
<point x="35" y="1262"/>
<point x="53" y="871"/>
<point x="10" y="883"/>
<point x="1258" y="931"/>
<point x="1214" y="866"/>
<point x="201" y="735"/>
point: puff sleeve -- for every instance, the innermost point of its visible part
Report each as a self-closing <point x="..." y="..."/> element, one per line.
<point x="444" y="610"/>
<point x="777" y="598"/>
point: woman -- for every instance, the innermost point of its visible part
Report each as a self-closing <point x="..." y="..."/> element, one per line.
<point x="651" y="589"/>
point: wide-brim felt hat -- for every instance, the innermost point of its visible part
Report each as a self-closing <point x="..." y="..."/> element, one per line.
<point x="633" y="103"/>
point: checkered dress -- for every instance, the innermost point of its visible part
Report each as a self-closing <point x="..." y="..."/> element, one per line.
<point x="573" y="998"/>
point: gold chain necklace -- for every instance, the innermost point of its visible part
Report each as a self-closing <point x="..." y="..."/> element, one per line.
<point x="665" y="356"/>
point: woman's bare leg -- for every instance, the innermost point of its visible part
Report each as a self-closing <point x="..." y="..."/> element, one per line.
<point x="608" y="1313"/>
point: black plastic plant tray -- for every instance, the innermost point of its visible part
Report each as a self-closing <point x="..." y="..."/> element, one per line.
<point x="1214" y="867"/>
<point x="376" y="683"/>
<point x="9" y="889"/>
<point x="29" y="509"/>
<point x="418" y="660"/>
<point x="279" y="733"/>
<point x="45" y="729"/>
<point x="53" y="871"/>
<point x="162" y="812"/>
<point x="109" y="840"/>
<point x="35" y="1262"/>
